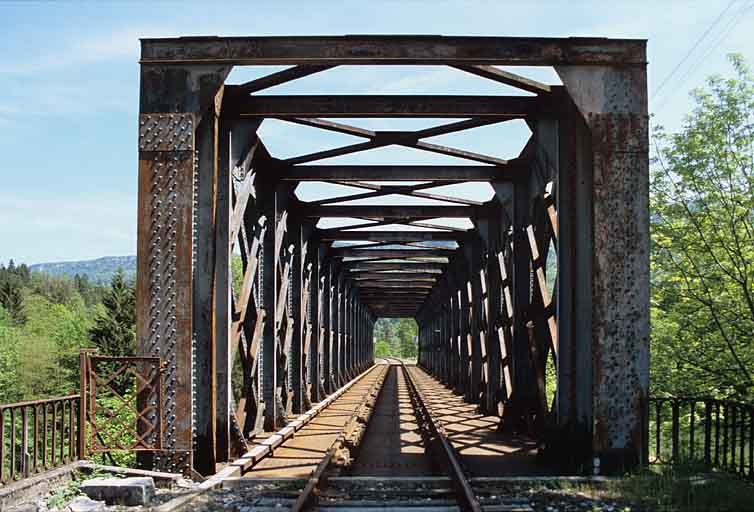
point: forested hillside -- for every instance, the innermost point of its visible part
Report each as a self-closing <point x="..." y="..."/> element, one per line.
<point x="99" y="271"/>
<point x="45" y="320"/>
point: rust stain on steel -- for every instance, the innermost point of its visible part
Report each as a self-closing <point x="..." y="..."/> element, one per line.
<point x="164" y="287"/>
<point x="621" y="274"/>
<point x="408" y="49"/>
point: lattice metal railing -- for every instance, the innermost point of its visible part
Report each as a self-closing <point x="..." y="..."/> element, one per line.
<point x="123" y="400"/>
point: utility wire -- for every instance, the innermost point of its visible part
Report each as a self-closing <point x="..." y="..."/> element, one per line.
<point x="722" y="35"/>
<point x="694" y="47"/>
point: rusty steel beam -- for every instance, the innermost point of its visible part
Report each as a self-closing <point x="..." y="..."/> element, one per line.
<point x="396" y="276"/>
<point x="510" y="107"/>
<point x="507" y="78"/>
<point x="405" y="285"/>
<point x="346" y="252"/>
<point x="512" y="171"/>
<point x="403" y="49"/>
<point x="369" y="266"/>
<point x="390" y="212"/>
<point x="390" y="236"/>
<point x="409" y="139"/>
<point x="280" y="77"/>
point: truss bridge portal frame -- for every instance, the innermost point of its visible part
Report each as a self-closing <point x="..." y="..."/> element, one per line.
<point x="240" y="359"/>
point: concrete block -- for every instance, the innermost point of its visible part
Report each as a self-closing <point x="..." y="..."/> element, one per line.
<point x="131" y="491"/>
<point x="85" y="504"/>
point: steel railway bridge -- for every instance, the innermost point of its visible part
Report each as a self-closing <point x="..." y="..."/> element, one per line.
<point x="243" y="359"/>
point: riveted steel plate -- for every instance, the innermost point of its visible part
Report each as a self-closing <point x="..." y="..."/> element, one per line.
<point x="166" y="132"/>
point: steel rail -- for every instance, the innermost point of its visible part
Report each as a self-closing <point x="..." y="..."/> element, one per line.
<point x="311" y="490"/>
<point x="464" y="492"/>
<point x="262" y="450"/>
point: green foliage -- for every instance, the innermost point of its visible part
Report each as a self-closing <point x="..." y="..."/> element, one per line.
<point x="395" y="337"/>
<point x="61" y="496"/>
<point x="39" y="357"/>
<point x="382" y="349"/>
<point x="12" y="302"/>
<point x="9" y="360"/>
<point x="702" y="203"/>
<point x="683" y="488"/>
<point x="116" y="418"/>
<point x="114" y="332"/>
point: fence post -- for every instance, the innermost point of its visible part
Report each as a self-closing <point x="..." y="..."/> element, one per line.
<point x="81" y="435"/>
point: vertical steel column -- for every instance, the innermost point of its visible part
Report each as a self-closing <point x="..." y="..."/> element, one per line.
<point x="222" y="297"/>
<point x="273" y="201"/>
<point x="473" y="251"/>
<point x="268" y="366"/>
<point x="455" y="333"/>
<point x="463" y="298"/>
<point x="489" y="229"/>
<point x="347" y="330"/>
<point x="522" y="398"/>
<point x="299" y="236"/>
<point x="205" y="454"/>
<point x="315" y="342"/>
<point x="338" y="331"/>
<point x="174" y="101"/>
<point x="612" y="103"/>
<point x="327" y="317"/>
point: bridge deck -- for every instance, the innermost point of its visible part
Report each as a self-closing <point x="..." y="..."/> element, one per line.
<point x="483" y="451"/>
<point x="299" y="456"/>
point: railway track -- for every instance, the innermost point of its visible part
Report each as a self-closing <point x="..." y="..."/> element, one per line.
<point x="389" y="453"/>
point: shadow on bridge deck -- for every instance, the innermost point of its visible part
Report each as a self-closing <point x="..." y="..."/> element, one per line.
<point x="483" y="451"/>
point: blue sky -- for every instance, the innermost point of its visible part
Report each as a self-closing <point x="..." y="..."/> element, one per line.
<point x="69" y="89"/>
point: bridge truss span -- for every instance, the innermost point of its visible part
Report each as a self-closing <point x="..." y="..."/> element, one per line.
<point x="554" y="266"/>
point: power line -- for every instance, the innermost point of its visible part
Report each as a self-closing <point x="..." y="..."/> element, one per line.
<point x="724" y="34"/>
<point x="727" y="29"/>
<point x="694" y="47"/>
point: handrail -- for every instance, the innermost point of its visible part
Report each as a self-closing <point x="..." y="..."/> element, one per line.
<point x="715" y="433"/>
<point x="40" y="434"/>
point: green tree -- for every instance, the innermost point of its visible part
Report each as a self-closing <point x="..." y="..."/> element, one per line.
<point x="702" y="203"/>
<point x="406" y="332"/>
<point x="12" y="301"/>
<point x="114" y="331"/>
<point x="10" y="390"/>
<point x="382" y="349"/>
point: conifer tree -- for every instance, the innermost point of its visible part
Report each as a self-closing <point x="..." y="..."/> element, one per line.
<point x="114" y="332"/>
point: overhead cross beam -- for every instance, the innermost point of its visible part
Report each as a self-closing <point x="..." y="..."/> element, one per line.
<point x="403" y="49"/>
<point x="409" y="139"/>
<point x="388" y="236"/>
<point x="237" y="104"/>
<point x="345" y="252"/>
<point x="371" y="266"/>
<point x="511" y="171"/>
<point x="391" y="212"/>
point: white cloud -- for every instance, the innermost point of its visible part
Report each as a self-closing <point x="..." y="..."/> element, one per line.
<point x="116" y="45"/>
<point x="63" y="227"/>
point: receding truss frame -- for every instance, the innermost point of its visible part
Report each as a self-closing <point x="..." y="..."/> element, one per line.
<point x="299" y="324"/>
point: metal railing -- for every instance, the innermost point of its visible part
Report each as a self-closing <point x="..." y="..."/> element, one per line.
<point x="38" y="435"/>
<point x="718" y="434"/>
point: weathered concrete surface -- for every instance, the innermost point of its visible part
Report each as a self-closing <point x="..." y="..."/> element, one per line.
<point x="131" y="491"/>
<point x="85" y="504"/>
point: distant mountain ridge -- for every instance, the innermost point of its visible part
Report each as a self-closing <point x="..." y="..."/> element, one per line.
<point x="99" y="270"/>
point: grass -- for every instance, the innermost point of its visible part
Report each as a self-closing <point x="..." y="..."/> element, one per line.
<point x="676" y="489"/>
